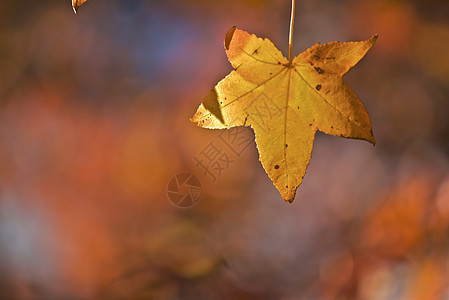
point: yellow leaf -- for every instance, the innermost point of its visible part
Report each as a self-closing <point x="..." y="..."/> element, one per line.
<point x="285" y="103"/>
<point x="76" y="4"/>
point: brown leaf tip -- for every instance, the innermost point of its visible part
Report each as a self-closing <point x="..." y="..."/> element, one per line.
<point x="229" y="36"/>
<point x="373" y="39"/>
<point x="290" y="200"/>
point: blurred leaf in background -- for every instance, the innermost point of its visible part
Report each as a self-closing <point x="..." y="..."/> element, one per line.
<point x="76" y="4"/>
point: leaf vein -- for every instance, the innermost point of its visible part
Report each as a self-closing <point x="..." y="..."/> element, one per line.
<point x="252" y="90"/>
<point x="257" y="59"/>
<point x="327" y="102"/>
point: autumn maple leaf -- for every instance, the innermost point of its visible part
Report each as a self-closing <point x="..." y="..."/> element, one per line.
<point x="287" y="102"/>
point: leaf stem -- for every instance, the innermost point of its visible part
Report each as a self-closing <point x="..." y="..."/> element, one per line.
<point x="290" y="39"/>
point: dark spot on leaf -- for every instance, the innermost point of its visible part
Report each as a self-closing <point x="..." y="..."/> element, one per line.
<point x="310" y="124"/>
<point x="318" y="69"/>
<point x="286" y="145"/>
<point x="276" y="167"/>
<point x="318" y="87"/>
<point x="279" y="62"/>
<point x="332" y="127"/>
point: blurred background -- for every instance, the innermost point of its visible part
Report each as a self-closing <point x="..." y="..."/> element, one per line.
<point x="94" y="122"/>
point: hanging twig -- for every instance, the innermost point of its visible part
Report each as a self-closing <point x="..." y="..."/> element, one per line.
<point x="290" y="40"/>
